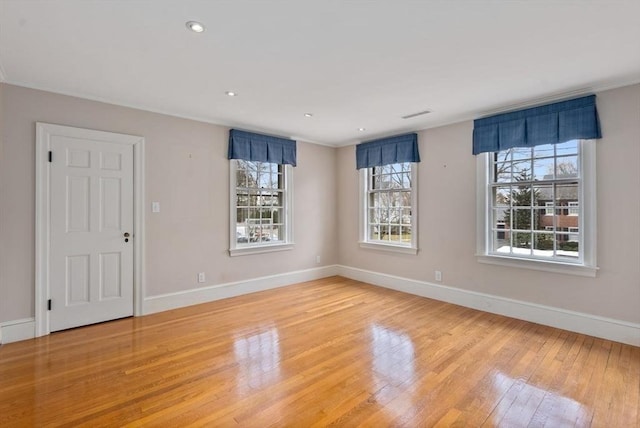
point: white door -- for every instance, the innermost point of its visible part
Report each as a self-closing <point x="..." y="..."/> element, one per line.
<point x="91" y="229"/>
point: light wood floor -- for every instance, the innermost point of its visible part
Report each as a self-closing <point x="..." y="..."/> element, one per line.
<point x="333" y="352"/>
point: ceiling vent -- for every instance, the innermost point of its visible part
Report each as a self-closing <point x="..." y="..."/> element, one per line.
<point x="409" y="116"/>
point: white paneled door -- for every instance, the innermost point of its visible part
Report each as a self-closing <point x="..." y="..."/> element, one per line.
<point x="91" y="229"/>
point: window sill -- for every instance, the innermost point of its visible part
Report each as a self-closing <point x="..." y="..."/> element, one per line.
<point x="542" y="265"/>
<point x="388" y="247"/>
<point x="270" y="248"/>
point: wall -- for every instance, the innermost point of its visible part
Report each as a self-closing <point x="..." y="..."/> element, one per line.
<point x="447" y="206"/>
<point x="4" y="301"/>
<point x="186" y="171"/>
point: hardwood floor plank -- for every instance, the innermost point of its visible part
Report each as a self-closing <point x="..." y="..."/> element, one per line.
<point x="332" y="352"/>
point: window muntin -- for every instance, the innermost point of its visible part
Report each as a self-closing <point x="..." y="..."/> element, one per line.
<point x="260" y="212"/>
<point x="535" y="202"/>
<point x="389" y="205"/>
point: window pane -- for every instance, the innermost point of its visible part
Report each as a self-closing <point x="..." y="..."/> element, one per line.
<point x="542" y="221"/>
<point x="241" y="178"/>
<point x="374" y="233"/>
<point x="276" y="233"/>
<point x="406" y="180"/>
<point x="521" y="219"/>
<point x="545" y="150"/>
<point x="502" y="241"/>
<point x="405" y="199"/>
<point x="566" y="247"/>
<point x="521" y="170"/>
<point x="242" y="200"/>
<point x="542" y="195"/>
<point x="543" y="169"/>
<point x="567" y="167"/>
<point x="241" y="235"/>
<point x="521" y="196"/>
<point x="502" y="167"/>
<point x="251" y="173"/>
<point x="406" y="216"/>
<point x="566" y="195"/>
<point x="241" y="215"/>
<point x="277" y="215"/>
<point x="385" y="232"/>
<point x="543" y="244"/>
<point x="568" y="148"/>
<point x="406" y="235"/>
<point x="522" y="240"/>
<point x="500" y="218"/>
<point x="519" y="153"/>
<point x="501" y="196"/>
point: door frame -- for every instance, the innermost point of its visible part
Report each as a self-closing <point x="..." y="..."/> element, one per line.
<point x="44" y="131"/>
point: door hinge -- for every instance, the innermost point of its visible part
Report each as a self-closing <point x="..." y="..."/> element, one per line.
<point x="50" y="156"/>
<point x="49" y="304"/>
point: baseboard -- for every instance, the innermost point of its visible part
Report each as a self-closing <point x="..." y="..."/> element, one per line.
<point x="17" y="330"/>
<point x="592" y="325"/>
<point x="195" y="296"/>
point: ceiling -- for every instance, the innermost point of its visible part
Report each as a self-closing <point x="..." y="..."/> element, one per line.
<point x="352" y="64"/>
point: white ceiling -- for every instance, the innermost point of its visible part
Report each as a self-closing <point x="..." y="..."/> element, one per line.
<point x="350" y="63"/>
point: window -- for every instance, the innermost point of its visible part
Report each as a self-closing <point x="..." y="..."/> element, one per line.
<point x="536" y="204"/>
<point x="389" y="204"/>
<point x="549" y="208"/>
<point x="574" y="208"/>
<point x="260" y="207"/>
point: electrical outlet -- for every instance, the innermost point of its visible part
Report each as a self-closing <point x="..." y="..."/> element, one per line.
<point x="201" y="277"/>
<point x="438" y="276"/>
<point x="155" y="207"/>
<point x="318" y="259"/>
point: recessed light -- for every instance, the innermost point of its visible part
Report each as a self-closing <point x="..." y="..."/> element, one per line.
<point x="194" y="26"/>
<point x="308" y="114"/>
<point x="362" y="129"/>
<point x="231" y="93"/>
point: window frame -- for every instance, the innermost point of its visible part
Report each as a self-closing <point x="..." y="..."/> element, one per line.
<point x="236" y="249"/>
<point x="586" y="265"/>
<point x="363" y="240"/>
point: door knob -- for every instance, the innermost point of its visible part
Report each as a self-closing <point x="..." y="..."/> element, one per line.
<point x="126" y="234"/>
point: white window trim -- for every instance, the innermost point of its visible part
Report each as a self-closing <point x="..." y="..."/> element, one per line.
<point x="587" y="266"/>
<point x="363" y="224"/>
<point x="288" y="244"/>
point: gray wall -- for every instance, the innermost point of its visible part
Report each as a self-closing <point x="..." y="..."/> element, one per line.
<point x="186" y="171"/>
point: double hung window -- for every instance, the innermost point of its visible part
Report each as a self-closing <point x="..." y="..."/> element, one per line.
<point x="390" y="205"/>
<point x="536" y="187"/>
<point x="260" y="193"/>
<point x="535" y="195"/>
<point x="389" y="193"/>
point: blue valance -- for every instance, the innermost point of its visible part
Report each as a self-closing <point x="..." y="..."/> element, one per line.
<point x="548" y="124"/>
<point x="401" y="148"/>
<point x="261" y="148"/>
